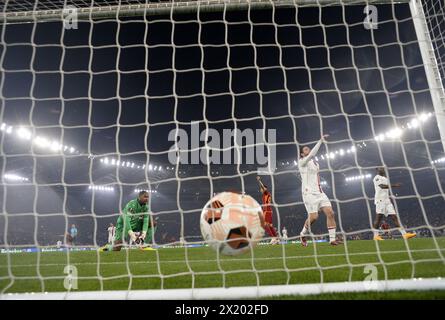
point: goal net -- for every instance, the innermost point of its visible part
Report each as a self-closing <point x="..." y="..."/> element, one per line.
<point x="186" y="99"/>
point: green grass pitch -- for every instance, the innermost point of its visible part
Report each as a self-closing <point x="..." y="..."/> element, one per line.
<point x="199" y="267"/>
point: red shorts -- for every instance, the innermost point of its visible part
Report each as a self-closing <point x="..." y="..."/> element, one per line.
<point x="268" y="217"/>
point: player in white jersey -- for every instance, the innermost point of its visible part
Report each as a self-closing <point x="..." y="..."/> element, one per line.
<point x="111" y="231"/>
<point x="284" y="235"/>
<point x="384" y="206"/>
<point x="313" y="196"/>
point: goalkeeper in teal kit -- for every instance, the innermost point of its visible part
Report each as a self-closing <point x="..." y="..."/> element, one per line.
<point x="135" y="218"/>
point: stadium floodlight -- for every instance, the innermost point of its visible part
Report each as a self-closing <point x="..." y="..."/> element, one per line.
<point x="106" y="160"/>
<point x="101" y="188"/>
<point x="9" y="130"/>
<point x="72" y="149"/>
<point x="394" y="133"/>
<point x="423" y="117"/>
<point x="3" y="127"/>
<point x="414" y="123"/>
<point x="150" y="167"/>
<point x="440" y="160"/>
<point x="380" y="137"/>
<point x="14" y="177"/>
<point x="24" y="133"/>
<point x="41" y="142"/>
<point x="129" y="164"/>
<point x="55" y="146"/>
<point x="137" y="190"/>
<point x="359" y="177"/>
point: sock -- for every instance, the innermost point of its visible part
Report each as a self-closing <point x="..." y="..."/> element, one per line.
<point x="304" y="231"/>
<point x="274" y="233"/>
<point x="402" y="231"/>
<point x="267" y="229"/>
<point x="270" y="230"/>
<point x="376" y="232"/>
<point x="331" y="234"/>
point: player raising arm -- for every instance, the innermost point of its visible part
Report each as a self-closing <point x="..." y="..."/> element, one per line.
<point x="313" y="196"/>
<point x="384" y="206"/>
<point x="267" y="212"/>
<point x="135" y="217"/>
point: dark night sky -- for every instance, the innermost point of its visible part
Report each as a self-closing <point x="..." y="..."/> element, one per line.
<point x="119" y="88"/>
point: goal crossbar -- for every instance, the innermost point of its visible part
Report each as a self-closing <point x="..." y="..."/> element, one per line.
<point x="159" y="8"/>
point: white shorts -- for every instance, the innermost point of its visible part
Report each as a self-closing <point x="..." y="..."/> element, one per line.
<point x="385" y="207"/>
<point x="313" y="202"/>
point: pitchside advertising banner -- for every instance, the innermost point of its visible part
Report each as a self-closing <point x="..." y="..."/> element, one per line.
<point x="30" y="250"/>
<point x="27" y="250"/>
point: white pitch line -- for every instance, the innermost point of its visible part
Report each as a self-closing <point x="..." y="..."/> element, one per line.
<point x="222" y="260"/>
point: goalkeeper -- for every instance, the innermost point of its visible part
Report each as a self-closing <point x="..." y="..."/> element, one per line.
<point x="134" y="218"/>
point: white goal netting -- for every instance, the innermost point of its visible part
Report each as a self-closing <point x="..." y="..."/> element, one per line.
<point x="185" y="99"/>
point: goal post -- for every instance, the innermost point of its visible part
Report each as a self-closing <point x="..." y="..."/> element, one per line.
<point x="435" y="80"/>
<point x="345" y="77"/>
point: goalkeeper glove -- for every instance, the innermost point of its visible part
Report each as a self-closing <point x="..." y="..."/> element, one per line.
<point x="143" y="235"/>
<point x="132" y="236"/>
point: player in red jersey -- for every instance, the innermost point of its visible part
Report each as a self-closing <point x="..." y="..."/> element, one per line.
<point x="267" y="212"/>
